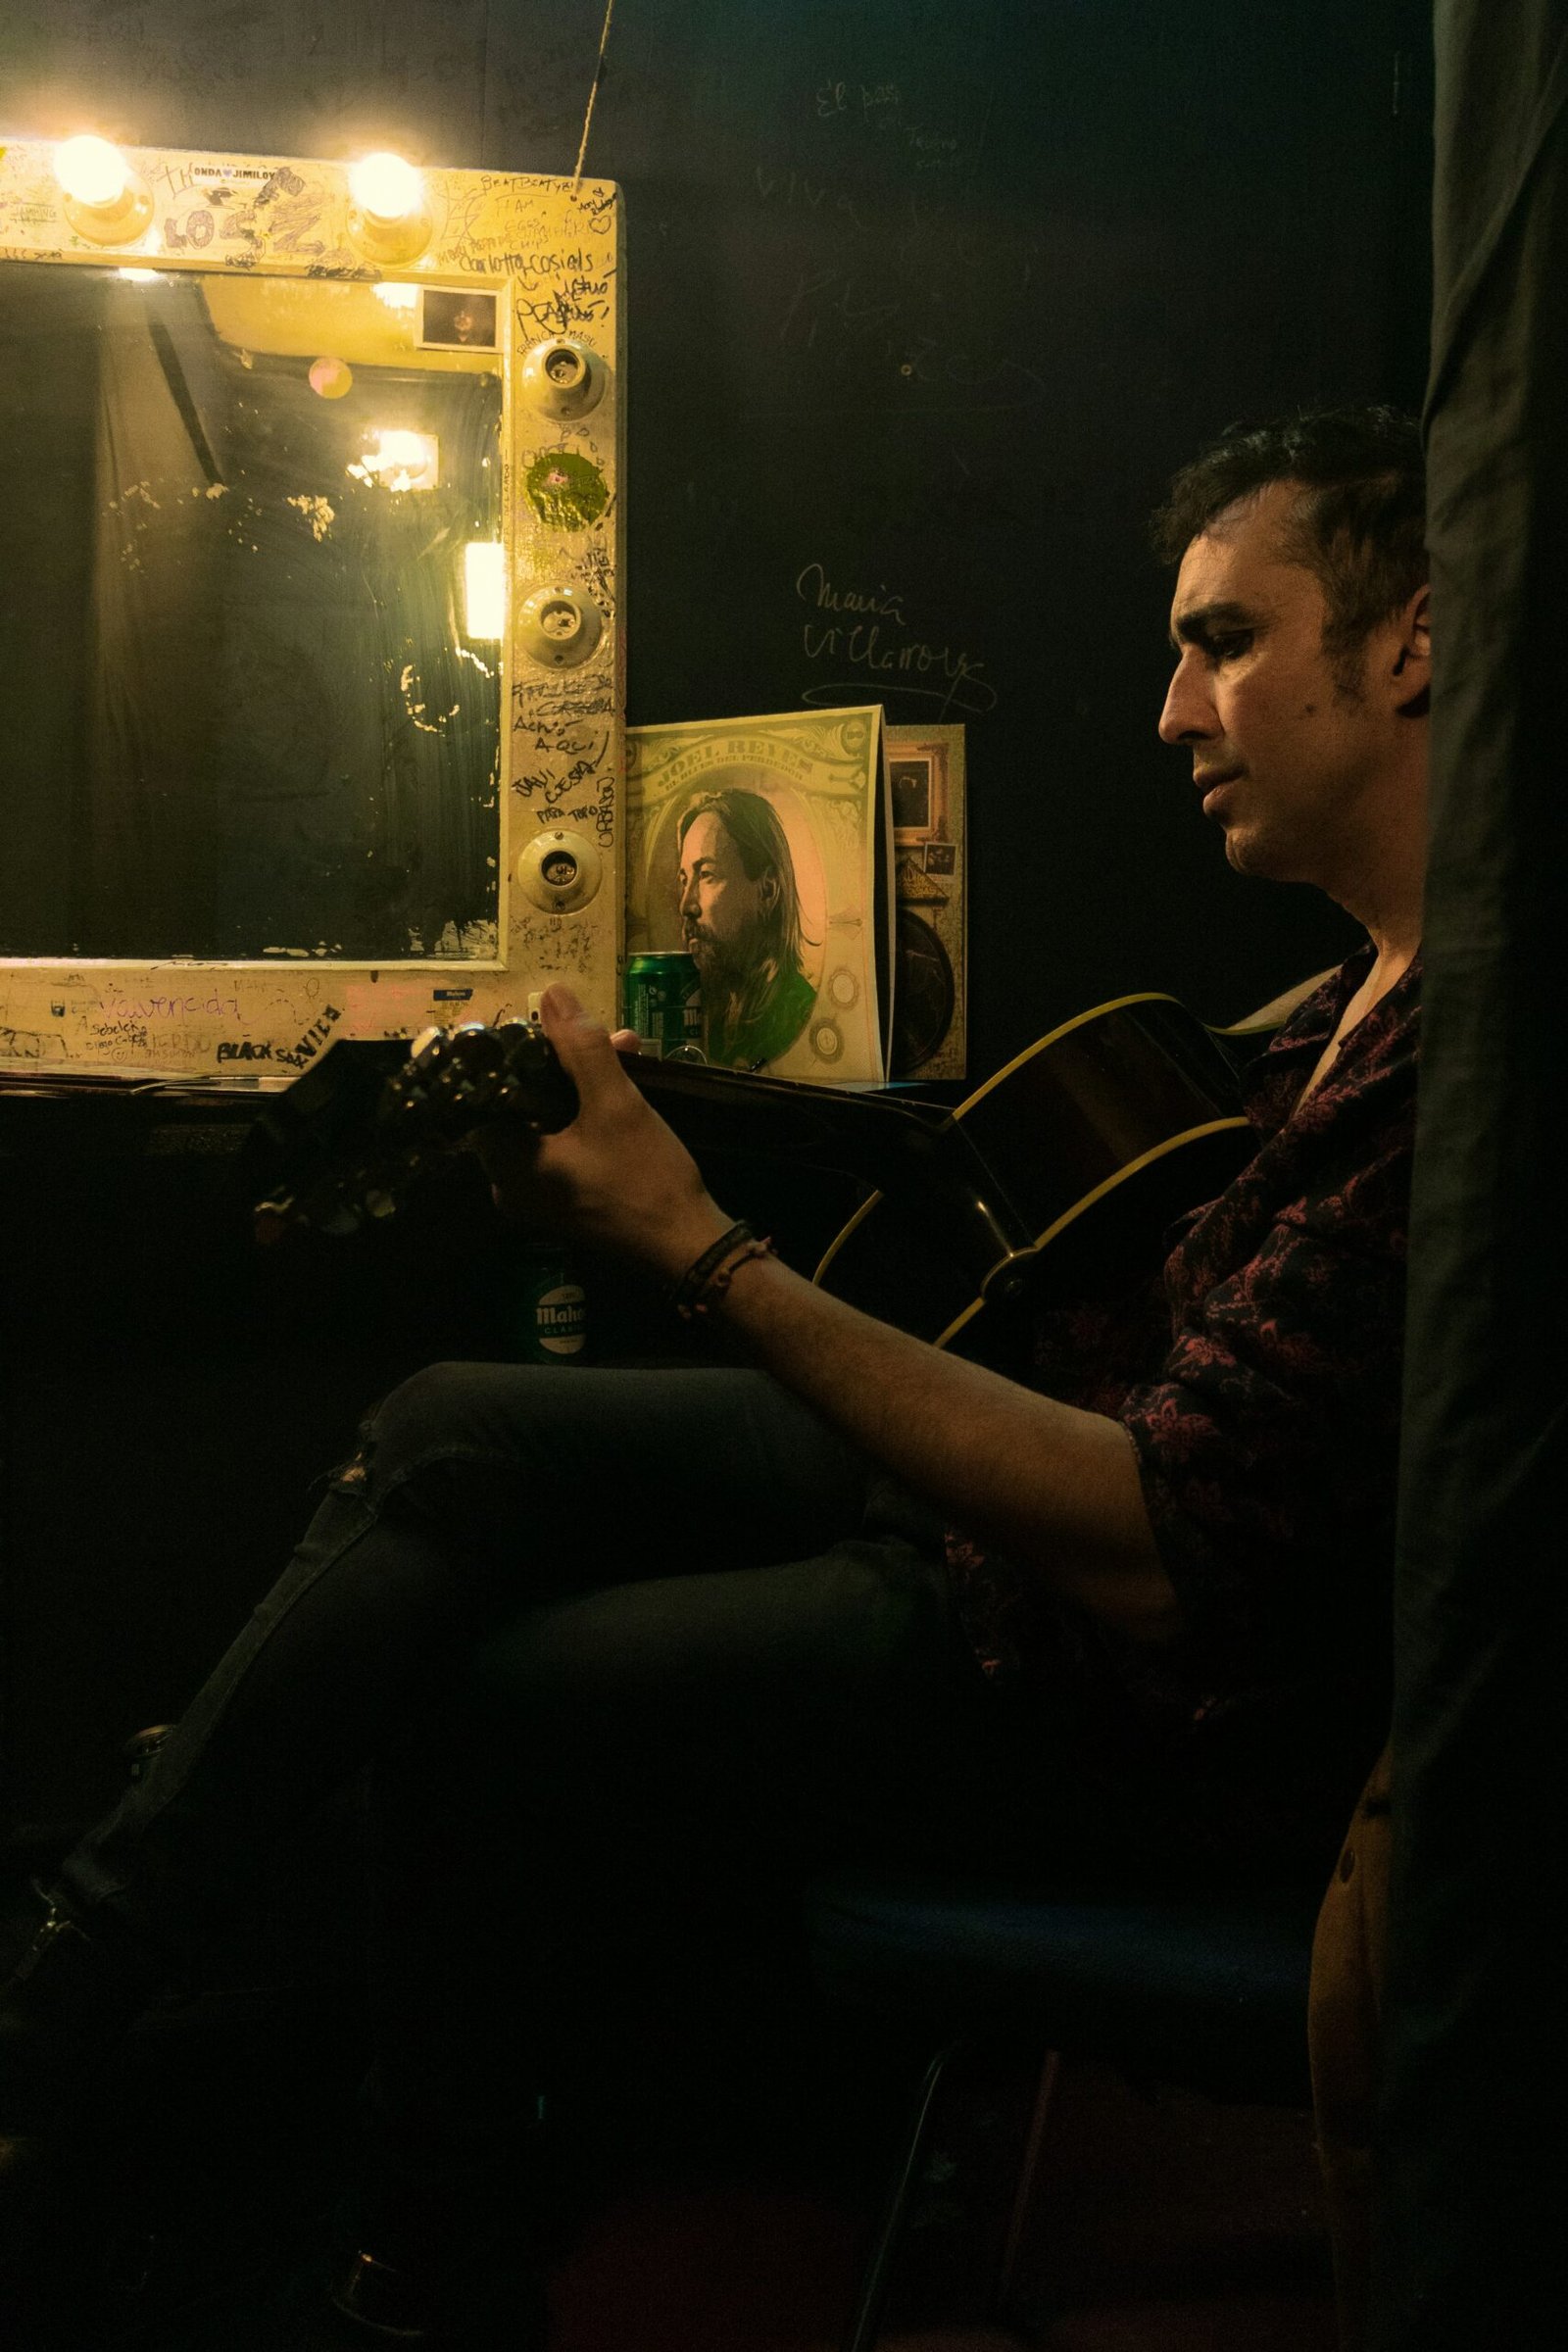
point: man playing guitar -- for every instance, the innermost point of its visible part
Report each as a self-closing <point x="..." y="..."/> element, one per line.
<point x="864" y="1598"/>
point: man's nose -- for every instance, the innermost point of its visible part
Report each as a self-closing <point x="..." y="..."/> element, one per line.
<point x="1188" y="713"/>
<point x="688" y="898"/>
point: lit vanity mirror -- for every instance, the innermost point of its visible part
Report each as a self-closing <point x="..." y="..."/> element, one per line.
<point x="309" y="540"/>
<point x="260" y="715"/>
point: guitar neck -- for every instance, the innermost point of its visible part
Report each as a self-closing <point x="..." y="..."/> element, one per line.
<point x="894" y="1144"/>
<point x="866" y="1134"/>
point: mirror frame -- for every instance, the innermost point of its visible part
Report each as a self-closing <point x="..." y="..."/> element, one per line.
<point x="550" y="249"/>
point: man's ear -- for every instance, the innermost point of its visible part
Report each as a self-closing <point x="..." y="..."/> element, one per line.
<point x="767" y="888"/>
<point x="1412" y="672"/>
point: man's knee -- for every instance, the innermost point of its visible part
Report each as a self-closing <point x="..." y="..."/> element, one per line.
<point x="445" y="1412"/>
<point x="402" y="1425"/>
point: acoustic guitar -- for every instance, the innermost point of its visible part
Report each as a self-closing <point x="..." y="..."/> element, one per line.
<point x="1049" y="1181"/>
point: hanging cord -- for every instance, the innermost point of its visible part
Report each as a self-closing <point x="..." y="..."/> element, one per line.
<point x="599" y="76"/>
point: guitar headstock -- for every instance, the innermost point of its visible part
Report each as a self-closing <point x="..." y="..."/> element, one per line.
<point x="352" y="1133"/>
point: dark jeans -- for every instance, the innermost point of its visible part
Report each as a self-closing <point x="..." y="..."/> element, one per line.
<point x="609" y="1639"/>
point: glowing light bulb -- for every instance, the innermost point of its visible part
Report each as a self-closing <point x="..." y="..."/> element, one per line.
<point x="401" y="461"/>
<point x="386" y="187"/>
<point x="390" y="216"/>
<point x="484" y="589"/>
<point x="397" y="297"/>
<point x="95" y="173"/>
<point x="408" y="461"/>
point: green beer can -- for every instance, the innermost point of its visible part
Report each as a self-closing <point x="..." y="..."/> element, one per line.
<point x="553" y="1317"/>
<point x="664" y="1003"/>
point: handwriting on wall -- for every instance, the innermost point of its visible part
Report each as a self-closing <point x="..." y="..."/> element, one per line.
<point x="862" y="636"/>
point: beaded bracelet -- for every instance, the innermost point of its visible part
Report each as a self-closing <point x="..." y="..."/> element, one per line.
<point x="722" y="1276"/>
<point x="711" y="1275"/>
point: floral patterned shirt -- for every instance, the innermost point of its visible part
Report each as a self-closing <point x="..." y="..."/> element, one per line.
<point x="1259" y="1382"/>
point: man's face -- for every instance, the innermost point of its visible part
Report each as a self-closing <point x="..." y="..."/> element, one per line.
<point x="720" y="907"/>
<point x="1284" y="751"/>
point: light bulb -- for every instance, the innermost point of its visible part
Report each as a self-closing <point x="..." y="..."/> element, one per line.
<point x="484" y="589"/>
<point x="89" y="168"/>
<point x="107" y="201"/>
<point x="385" y="187"/>
<point x="400" y="460"/>
<point x="408" y="461"/>
<point x="389" y="218"/>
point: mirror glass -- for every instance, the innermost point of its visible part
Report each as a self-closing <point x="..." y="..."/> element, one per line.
<point x="253" y="688"/>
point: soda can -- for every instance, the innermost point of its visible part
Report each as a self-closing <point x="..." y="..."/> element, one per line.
<point x="664" y="1003"/>
<point x="552" y="1318"/>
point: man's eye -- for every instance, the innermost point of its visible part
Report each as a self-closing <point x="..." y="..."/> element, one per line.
<point x="1226" y="648"/>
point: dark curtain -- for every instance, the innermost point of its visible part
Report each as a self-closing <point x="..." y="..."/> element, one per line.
<point x="1473" y="2122"/>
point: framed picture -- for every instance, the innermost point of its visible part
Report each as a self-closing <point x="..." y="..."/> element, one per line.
<point x="458" y="319"/>
<point x="926" y="787"/>
<point x="918" y="781"/>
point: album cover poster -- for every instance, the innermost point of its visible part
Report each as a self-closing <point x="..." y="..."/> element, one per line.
<point x="752" y="845"/>
<point x="926" y="784"/>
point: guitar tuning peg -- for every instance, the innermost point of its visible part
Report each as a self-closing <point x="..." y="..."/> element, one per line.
<point x="477" y="1045"/>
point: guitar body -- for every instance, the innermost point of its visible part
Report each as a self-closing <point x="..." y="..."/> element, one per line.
<point x="1096" y="1138"/>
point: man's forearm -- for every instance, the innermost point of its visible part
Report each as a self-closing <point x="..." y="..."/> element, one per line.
<point x="1056" y="1488"/>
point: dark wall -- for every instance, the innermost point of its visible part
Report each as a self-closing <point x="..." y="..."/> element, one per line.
<point x="925" y="302"/>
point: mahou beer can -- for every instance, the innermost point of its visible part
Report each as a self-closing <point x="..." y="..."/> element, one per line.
<point x="552" y="1321"/>
<point x="664" y="1003"/>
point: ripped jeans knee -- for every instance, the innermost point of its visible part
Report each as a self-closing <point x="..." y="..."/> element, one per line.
<point x="426" y="1417"/>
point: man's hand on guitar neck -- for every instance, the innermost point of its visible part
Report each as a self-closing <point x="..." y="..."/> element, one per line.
<point x="1057" y="1489"/>
<point x="617" y="1177"/>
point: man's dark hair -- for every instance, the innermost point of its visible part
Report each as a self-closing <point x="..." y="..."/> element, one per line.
<point x="1358" y="525"/>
